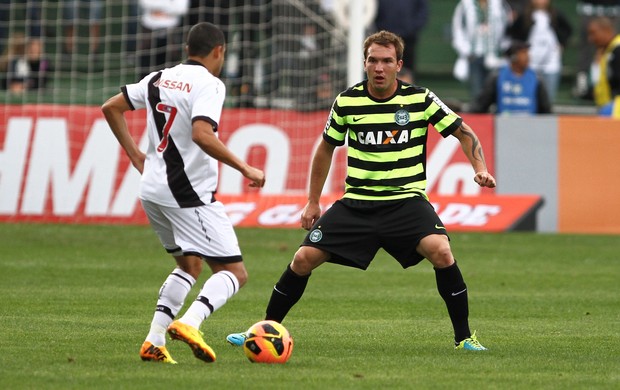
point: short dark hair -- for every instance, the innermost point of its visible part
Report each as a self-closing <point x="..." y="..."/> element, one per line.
<point x="515" y="47"/>
<point x="385" y="38"/>
<point x="202" y="38"/>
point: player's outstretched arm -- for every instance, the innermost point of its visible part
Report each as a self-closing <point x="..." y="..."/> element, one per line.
<point x="204" y="136"/>
<point x="473" y="150"/>
<point x="113" y="110"/>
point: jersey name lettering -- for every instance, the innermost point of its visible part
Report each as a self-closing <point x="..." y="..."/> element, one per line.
<point x="174" y="84"/>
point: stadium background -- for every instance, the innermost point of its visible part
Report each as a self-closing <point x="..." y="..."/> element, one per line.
<point x="277" y="106"/>
<point x="81" y="81"/>
<point x="76" y="298"/>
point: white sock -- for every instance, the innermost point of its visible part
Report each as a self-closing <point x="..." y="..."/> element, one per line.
<point x="216" y="291"/>
<point x="171" y="298"/>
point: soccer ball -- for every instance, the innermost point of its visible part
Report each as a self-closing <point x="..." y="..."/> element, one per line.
<point x="268" y="342"/>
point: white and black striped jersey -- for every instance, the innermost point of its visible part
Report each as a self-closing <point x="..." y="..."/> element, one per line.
<point x="177" y="172"/>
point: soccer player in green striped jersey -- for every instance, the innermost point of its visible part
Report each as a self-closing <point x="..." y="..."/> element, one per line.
<point x="384" y="123"/>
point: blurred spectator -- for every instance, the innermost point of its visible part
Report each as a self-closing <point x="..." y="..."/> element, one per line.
<point x="15" y="47"/>
<point x="31" y="24"/>
<point x="586" y="11"/>
<point x="34" y="24"/>
<point x="299" y="58"/>
<point x="5" y="17"/>
<point x="547" y="31"/>
<point x="478" y="28"/>
<point x="161" y="33"/>
<point x="517" y="7"/>
<point x="515" y="88"/>
<point x="309" y="56"/>
<point x="217" y="12"/>
<point x="29" y="70"/>
<point x="72" y="16"/>
<point x="131" y="12"/>
<point x="325" y="92"/>
<point x="26" y="31"/>
<point x="602" y="34"/>
<point x="406" y="18"/>
<point x="244" y="23"/>
<point x="339" y="11"/>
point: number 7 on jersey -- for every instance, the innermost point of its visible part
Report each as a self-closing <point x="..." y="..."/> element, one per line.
<point x="165" y="109"/>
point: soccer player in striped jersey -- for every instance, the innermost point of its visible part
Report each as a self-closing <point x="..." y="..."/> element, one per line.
<point x="177" y="189"/>
<point x="384" y="122"/>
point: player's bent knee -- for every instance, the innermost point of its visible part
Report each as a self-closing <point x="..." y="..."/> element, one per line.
<point x="242" y="277"/>
<point x="240" y="272"/>
<point x="238" y="269"/>
<point x="306" y="259"/>
<point x="190" y="264"/>
<point x="442" y="260"/>
<point x="436" y="249"/>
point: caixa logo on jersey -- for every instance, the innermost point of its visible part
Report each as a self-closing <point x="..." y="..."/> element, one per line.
<point x="383" y="137"/>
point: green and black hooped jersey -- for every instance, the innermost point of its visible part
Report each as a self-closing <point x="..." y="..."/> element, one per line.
<point x="387" y="139"/>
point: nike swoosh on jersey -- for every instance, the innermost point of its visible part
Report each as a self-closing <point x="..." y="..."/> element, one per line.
<point x="358" y="119"/>
<point x="439" y="227"/>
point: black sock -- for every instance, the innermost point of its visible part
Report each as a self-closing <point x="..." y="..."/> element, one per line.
<point x="285" y="295"/>
<point x="453" y="290"/>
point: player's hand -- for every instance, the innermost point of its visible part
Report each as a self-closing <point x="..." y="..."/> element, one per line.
<point x="138" y="161"/>
<point x="309" y="215"/>
<point x="485" y="179"/>
<point x="256" y="176"/>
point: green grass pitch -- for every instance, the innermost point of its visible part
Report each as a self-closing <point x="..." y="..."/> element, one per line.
<point x="76" y="303"/>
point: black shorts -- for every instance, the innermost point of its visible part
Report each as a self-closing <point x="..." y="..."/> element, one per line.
<point x="352" y="231"/>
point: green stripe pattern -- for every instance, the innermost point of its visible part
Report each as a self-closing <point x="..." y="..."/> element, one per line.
<point x="386" y="139"/>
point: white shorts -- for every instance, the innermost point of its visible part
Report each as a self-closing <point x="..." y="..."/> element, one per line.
<point x="204" y="231"/>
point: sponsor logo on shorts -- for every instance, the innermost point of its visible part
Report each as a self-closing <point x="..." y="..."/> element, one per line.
<point x="316" y="235"/>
